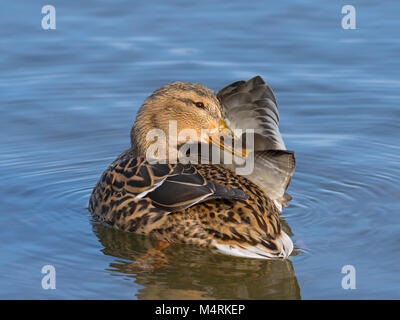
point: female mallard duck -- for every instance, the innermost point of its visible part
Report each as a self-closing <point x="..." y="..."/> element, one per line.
<point x="203" y="204"/>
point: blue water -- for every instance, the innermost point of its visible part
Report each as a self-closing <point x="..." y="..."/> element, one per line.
<point x="68" y="98"/>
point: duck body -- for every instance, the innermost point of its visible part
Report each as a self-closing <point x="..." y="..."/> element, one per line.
<point x="206" y="205"/>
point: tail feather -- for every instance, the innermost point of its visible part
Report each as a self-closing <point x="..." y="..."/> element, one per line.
<point x="273" y="170"/>
<point x="252" y="105"/>
<point x="283" y="243"/>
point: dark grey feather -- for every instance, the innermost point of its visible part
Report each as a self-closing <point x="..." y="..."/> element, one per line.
<point x="185" y="187"/>
<point x="252" y="105"/>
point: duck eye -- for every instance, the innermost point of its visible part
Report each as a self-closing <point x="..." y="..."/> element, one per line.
<point x="199" y="105"/>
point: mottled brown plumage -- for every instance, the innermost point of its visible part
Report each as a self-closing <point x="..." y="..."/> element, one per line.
<point x="202" y="204"/>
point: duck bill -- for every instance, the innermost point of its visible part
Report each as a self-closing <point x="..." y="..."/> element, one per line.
<point x="225" y="133"/>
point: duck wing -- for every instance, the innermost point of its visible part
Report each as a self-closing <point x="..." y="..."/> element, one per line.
<point x="170" y="187"/>
<point x="185" y="186"/>
<point x="252" y="105"/>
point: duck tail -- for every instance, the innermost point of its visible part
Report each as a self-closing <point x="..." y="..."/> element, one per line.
<point x="279" y="248"/>
<point x="273" y="170"/>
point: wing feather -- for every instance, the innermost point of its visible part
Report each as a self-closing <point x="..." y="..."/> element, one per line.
<point x="252" y="105"/>
<point x="169" y="187"/>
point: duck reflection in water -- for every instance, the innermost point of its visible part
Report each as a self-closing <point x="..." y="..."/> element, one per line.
<point x="192" y="273"/>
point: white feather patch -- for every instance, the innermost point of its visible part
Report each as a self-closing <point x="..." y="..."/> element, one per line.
<point x="284" y="243"/>
<point x="278" y="205"/>
<point x="144" y="193"/>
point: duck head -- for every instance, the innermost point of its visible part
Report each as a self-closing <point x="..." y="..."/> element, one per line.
<point x="177" y="109"/>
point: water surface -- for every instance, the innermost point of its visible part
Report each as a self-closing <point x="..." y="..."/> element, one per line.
<point x="68" y="98"/>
